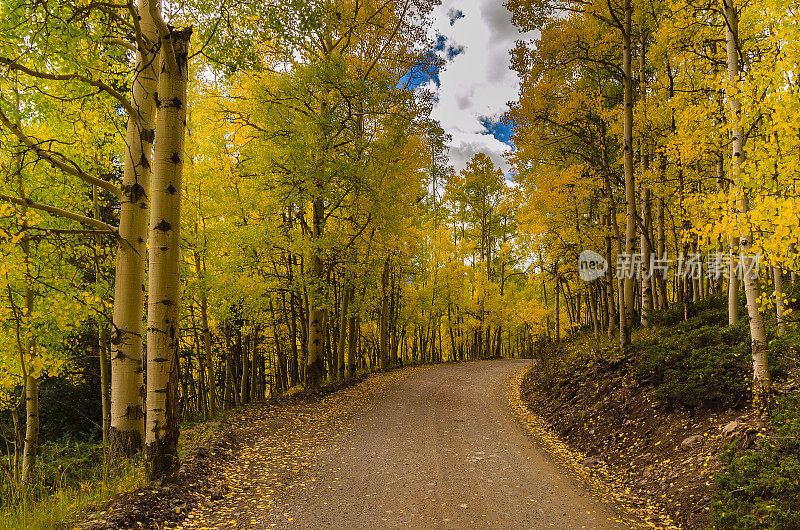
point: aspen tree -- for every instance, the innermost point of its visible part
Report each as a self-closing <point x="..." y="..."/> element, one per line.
<point x="31" y="382"/>
<point x="102" y="335"/>
<point x="630" y="183"/>
<point x="345" y="313"/>
<point x="163" y="333"/>
<point x="661" y="243"/>
<point x="209" y="360"/>
<point x="645" y="239"/>
<point x="758" y="336"/>
<point x="126" y="434"/>
<point x="777" y="276"/>
<point x="384" y="317"/>
<point x="127" y="393"/>
<point x="316" y="330"/>
<point x="28" y="345"/>
<point x="353" y="327"/>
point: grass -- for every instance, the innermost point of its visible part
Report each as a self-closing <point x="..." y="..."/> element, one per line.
<point x="73" y="478"/>
<point x="67" y="500"/>
<point x="34" y="509"/>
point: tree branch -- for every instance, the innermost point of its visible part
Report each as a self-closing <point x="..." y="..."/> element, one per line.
<point x="120" y="42"/>
<point x="58" y="212"/>
<point x="165" y="35"/>
<point x="57" y="231"/>
<point x="71" y="77"/>
<point x="137" y="29"/>
<point x="52" y="158"/>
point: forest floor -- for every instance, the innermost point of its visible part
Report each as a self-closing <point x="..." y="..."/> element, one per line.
<point x="666" y="458"/>
<point x="447" y="446"/>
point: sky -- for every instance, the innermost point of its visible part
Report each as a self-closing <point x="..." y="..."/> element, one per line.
<point x="473" y="89"/>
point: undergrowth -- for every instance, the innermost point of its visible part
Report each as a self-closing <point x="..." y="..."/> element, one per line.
<point x="69" y="477"/>
<point x="701" y="364"/>
<point x="760" y="487"/>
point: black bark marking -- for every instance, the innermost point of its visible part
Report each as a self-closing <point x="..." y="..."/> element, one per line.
<point x="171" y="189"/>
<point x="136" y="191"/>
<point x="175" y="159"/>
<point x="181" y="58"/>
<point x="164" y="226"/>
<point x="134" y="411"/>
<point x="148" y="135"/>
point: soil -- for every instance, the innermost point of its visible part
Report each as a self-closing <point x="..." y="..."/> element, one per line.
<point x="422" y="447"/>
<point x="207" y="448"/>
<point x="668" y="458"/>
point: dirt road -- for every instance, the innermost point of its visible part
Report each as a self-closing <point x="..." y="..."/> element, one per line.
<point x="442" y="448"/>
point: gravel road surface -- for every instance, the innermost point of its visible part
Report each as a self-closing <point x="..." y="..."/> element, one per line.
<point x="441" y="448"/>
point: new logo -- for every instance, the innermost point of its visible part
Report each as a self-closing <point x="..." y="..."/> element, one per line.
<point x="591" y="266"/>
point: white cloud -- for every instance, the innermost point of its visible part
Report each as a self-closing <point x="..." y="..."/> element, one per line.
<point x="477" y="83"/>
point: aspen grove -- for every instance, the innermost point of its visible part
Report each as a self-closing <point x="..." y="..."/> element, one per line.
<point x="207" y="205"/>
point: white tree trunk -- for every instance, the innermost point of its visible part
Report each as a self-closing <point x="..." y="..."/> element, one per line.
<point x="777" y="276"/>
<point x="384" y="320"/>
<point x="733" y="288"/>
<point x="758" y="337"/>
<point x="102" y="335"/>
<point x="661" y="282"/>
<point x="354" y="327"/>
<point x="164" y="286"/>
<point x="647" y="284"/>
<point x="647" y="223"/>
<point x="25" y="328"/>
<point x="630" y="184"/>
<point x="211" y="380"/>
<point x="31" y="384"/>
<point x="127" y="389"/>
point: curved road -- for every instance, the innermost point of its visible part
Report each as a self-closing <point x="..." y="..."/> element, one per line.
<point x="440" y="449"/>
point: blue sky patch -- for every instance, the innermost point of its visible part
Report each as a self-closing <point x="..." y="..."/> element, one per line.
<point x="454" y="14"/>
<point x="495" y="127"/>
<point x="418" y="76"/>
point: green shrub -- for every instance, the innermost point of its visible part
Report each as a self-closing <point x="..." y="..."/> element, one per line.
<point x="668" y="317"/>
<point x="69" y="408"/>
<point x="760" y="487"/>
<point x="713" y="310"/>
<point x="703" y="362"/>
<point x="708" y="376"/>
<point x="69" y="479"/>
<point x="697" y="362"/>
<point x="61" y="464"/>
<point x="784" y="354"/>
